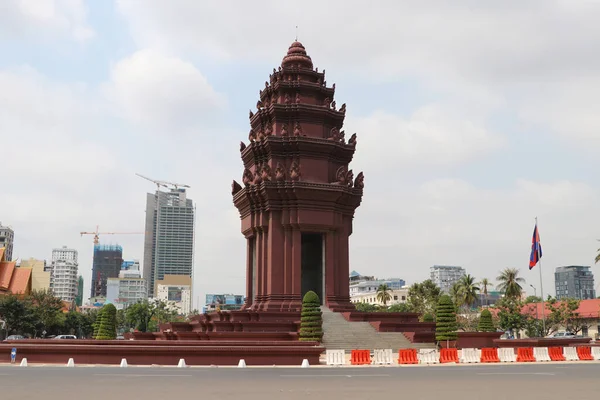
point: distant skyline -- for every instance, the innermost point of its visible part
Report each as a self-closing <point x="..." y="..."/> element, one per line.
<point x="473" y="118"/>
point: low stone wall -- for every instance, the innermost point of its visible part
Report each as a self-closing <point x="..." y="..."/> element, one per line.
<point x="141" y="353"/>
<point x="477" y="340"/>
<point x="541" y="342"/>
<point x="214" y="336"/>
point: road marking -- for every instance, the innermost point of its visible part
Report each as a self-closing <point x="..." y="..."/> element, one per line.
<point x="516" y="373"/>
<point x="330" y="375"/>
<point x="142" y="375"/>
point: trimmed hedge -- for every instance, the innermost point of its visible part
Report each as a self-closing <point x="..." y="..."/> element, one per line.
<point x="107" y="329"/>
<point x="486" y="324"/>
<point x="428" y="318"/>
<point x="311" y="321"/>
<point x="445" y="326"/>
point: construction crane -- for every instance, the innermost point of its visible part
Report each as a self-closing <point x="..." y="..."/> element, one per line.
<point x="97" y="234"/>
<point x="163" y="183"/>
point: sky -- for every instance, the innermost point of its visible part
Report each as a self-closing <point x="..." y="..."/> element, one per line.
<point x="473" y="118"/>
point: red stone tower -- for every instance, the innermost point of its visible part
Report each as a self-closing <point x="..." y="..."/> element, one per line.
<point x="297" y="197"/>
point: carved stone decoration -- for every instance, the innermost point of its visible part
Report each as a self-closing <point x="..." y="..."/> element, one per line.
<point x="297" y="98"/>
<point x="343" y="108"/>
<point x="280" y="68"/>
<point x="274" y="99"/>
<point x="235" y="187"/>
<point x="252" y="135"/>
<point x="326" y="102"/>
<point x="349" y="178"/>
<point x="265" y="172"/>
<point x="269" y="130"/>
<point x="319" y="81"/>
<point x="274" y="70"/>
<point x="242" y="146"/>
<point x="279" y="173"/>
<point x="333" y="87"/>
<point x="343" y="137"/>
<point x="247" y="177"/>
<point x="257" y="176"/>
<point x="317" y="69"/>
<point x="334" y="134"/>
<point x="359" y="182"/>
<point x="352" y="140"/>
<point x="266" y="85"/>
<point x="341" y="176"/>
<point x="286" y="99"/>
<point x="295" y="171"/>
<point x="284" y="131"/>
<point x="297" y="129"/>
<point x="261" y="134"/>
<point x="333" y="105"/>
<point x="251" y="114"/>
<point x="259" y="105"/>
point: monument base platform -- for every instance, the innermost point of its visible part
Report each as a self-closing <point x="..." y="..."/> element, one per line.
<point x="111" y="352"/>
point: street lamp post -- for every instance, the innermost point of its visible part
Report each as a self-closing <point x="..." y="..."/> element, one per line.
<point x="537" y="315"/>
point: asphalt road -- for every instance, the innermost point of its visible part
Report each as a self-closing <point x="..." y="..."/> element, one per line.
<point x="547" y="381"/>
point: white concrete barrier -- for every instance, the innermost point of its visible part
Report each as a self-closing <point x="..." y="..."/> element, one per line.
<point x="507" y="354"/>
<point x="570" y="353"/>
<point x="181" y="363"/>
<point x="469" y="356"/>
<point x="242" y="363"/>
<point x="335" y="357"/>
<point x="123" y="363"/>
<point x="23" y="363"/>
<point x="428" y="356"/>
<point x="71" y="363"/>
<point x="596" y="353"/>
<point x="305" y="363"/>
<point x="383" y="357"/>
<point x="541" y="354"/>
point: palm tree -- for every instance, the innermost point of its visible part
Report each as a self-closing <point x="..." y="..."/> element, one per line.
<point x="383" y="294"/>
<point x="485" y="282"/>
<point x="598" y="256"/>
<point x="468" y="290"/>
<point x="510" y="283"/>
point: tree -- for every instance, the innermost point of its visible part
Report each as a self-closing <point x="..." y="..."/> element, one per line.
<point x="423" y="297"/>
<point x="533" y="299"/>
<point x="399" y="307"/>
<point x="96" y="324"/>
<point x="146" y="316"/>
<point x="564" y="314"/>
<point x="48" y="312"/>
<point x="598" y="256"/>
<point x="445" y="326"/>
<point x="108" y="323"/>
<point x="383" y="294"/>
<point x="509" y="314"/>
<point x="311" y="320"/>
<point x="485" y="282"/>
<point x="485" y="322"/>
<point x="17" y="314"/>
<point x="428" y="318"/>
<point x="365" y="307"/>
<point x="467" y="291"/>
<point x="510" y="283"/>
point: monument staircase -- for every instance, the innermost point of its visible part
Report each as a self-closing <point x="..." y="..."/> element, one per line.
<point x="339" y="333"/>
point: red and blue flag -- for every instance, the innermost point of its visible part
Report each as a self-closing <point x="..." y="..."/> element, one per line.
<point x="536" y="248"/>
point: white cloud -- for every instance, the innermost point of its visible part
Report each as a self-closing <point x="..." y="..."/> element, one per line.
<point x="431" y="136"/>
<point x="41" y="17"/>
<point x="156" y="90"/>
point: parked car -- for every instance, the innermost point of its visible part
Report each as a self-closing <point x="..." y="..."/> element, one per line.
<point x="15" y="337"/>
<point x="562" y="335"/>
<point x="65" y="337"/>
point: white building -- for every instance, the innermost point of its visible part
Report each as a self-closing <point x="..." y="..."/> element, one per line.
<point x="129" y="288"/>
<point x="397" y="296"/>
<point x="179" y="296"/>
<point x="7" y="237"/>
<point x="63" y="277"/>
<point x="445" y="276"/>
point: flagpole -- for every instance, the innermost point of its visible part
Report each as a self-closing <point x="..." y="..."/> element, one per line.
<point x="541" y="286"/>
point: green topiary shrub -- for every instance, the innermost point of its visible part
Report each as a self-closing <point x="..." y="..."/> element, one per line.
<point x="485" y="322"/>
<point x="311" y="321"/>
<point x="445" y="326"/>
<point x="107" y="329"/>
<point x="96" y="324"/>
<point x="428" y="318"/>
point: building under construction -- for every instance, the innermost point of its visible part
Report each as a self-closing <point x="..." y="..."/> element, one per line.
<point x="107" y="264"/>
<point x="169" y="241"/>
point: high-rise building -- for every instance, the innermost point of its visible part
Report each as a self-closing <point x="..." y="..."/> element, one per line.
<point x="40" y="273"/>
<point x="63" y="279"/>
<point x="129" y="288"/>
<point x="574" y="282"/>
<point x="79" y="297"/>
<point x="169" y="241"/>
<point x="107" y="264"/>
<point x="445" y="276"/>
<point x="7" y="237"/>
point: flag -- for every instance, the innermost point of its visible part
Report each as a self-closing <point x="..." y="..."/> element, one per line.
<point x="536" y="248"/>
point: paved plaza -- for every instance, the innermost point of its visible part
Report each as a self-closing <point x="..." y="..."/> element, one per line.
<point x="460" y="382"/>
